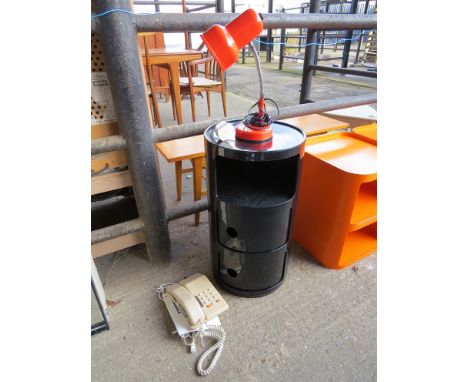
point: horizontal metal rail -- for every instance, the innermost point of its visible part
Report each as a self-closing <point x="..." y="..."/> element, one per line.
<point x="192" y="22"/>
<point x="131" y="226"/>
<point x="303" y="36"/>
<point x="186" y="210"/>
<point x="171" y="2"/>
<point x="116" y="230"/>
<point x="200" y="8"/>
<point x="200" y="22"/>
<point x="320" y="59"/>
<point x="354" y="72"/>
<point x="117" y="142"/>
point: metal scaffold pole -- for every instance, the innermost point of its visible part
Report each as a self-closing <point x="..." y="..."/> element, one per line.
<point x="356" y="59"/>
<point x="309" y="55"/>
<point x="349" y="35"/>
<point x="269" y="48"/>
<point x="117" y="33"/>
<point x="199" y="22"/>
<point x="219" y="6"/>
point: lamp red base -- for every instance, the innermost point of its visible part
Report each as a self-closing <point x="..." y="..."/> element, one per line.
<point x="258" y="134"/>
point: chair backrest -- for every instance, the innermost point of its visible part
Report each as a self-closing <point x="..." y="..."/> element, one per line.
<point x="211" y="70"/>
<point x="149" y="73"/>
<point x="154" y="40"/>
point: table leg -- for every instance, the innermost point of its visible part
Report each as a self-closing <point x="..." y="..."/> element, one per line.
<point x="174" y="69"/>
<point x="178" y="171"/>
<point x="197" y="164"/>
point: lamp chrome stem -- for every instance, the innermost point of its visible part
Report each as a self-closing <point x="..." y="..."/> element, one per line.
<point x="259" y="70"/>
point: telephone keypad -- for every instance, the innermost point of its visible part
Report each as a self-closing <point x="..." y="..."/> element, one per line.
<point x="207" y="297"/>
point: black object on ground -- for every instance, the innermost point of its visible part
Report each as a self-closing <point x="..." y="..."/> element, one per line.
<point x="252" y="192"/>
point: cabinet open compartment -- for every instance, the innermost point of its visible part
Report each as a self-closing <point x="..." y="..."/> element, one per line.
<point x="359" y="244"/>
<point x="365" y="207"/>
<point x="256" y="184"/>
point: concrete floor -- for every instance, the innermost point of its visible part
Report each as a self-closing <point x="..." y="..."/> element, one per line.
<point x="320" y="325"/>
<point x="284" y="87"/>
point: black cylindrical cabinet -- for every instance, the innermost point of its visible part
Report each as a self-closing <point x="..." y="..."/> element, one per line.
<point x="252" y="192"/>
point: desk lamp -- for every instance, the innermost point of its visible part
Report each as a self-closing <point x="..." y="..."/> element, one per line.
<point x="224" y="44"/>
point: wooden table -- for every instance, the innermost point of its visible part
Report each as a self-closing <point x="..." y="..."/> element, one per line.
<point x="193" y="149"/>
<point x="170" y="59"/>
<point x="369" y="131"/>
<point x="313" y="124"/>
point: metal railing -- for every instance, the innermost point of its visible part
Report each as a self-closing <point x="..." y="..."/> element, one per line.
<point x="199" y="22"/>
<point x="200" y="5"/>
<point x="332" y="37"/>
<point x="117" y="31"/>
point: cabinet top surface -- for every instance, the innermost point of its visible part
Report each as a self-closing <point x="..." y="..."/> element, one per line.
<point x="348" y="152"/>
<point x="285" y="137"/>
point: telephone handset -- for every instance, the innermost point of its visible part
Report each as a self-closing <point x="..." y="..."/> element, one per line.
<point x="198" y="299"/>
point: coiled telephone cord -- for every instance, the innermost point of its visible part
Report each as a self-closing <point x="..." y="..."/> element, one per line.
<point x="218" y="333"/>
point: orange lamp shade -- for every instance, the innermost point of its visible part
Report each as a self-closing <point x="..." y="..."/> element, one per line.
<point x="224" y="43"/>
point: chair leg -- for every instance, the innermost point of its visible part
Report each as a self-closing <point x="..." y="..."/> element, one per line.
<point x="178" y="172"/>
<point x="156" y="110"/>
<point x="173" y="108"/>
<point x="208" y="102"/>
<point x="174" y="116"/>
<point x="153" y="98"/>
<point x="197" y="164"/>
<point x="152" y="114"/>
<point x="223" y="97"/>
<point x="192" y="102"/>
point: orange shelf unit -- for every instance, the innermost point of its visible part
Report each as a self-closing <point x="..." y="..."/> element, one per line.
<point x="336" y="213"/>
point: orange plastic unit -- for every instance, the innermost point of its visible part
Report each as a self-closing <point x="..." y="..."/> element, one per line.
<point x="336" y="214"/>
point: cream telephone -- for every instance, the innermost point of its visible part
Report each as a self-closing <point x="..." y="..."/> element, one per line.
<point x="194" y="305"/>
<point x="197" y="299"/>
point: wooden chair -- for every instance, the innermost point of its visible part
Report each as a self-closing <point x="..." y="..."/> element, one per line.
<point x="154" y="78"/>
<point x="151" y="92"/>
<point x="212" y="81"/>
<point x="155" y="40"/>
<point x="369" y="131"/>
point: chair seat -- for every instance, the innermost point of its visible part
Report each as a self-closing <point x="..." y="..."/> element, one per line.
<point x="198" y="81"/>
